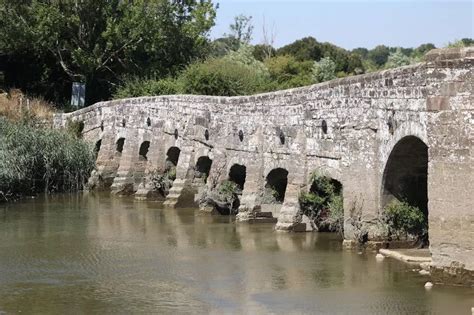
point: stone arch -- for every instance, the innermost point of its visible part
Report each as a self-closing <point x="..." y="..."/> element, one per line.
<point x="119" y="145"/>
<point x="238" y="174"/>
<point x="405" y="175"/>
<point x="275" y="186"/>
<point x="172" y="157"/>
<point x="144" y="147"/>
<point x="203" y="168"/>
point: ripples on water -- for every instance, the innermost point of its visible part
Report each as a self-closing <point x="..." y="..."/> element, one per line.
<point x="94" y="254"/>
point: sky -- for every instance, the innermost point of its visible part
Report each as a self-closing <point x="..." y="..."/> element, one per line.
<point x="353" y="23"/>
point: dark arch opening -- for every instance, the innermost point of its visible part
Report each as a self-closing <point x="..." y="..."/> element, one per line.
<point x="144" y="149"/>
<point x="172" y="156"/>
<point x="405" y="176"/>
<point x="203" y="168"/>
<point x="277" y="180"/>
<point x="119" y="145"/>
<point x="328" y="184"/>
<point x="237" y="174"/>
<point x="97" y="146"/>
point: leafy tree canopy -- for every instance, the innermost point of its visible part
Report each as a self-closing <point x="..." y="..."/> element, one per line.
<point x="97" y="41"/>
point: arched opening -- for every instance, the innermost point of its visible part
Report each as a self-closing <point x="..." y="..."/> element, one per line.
<point x="203" y="167"/>
<point x="323" y="203"/>
<point x="119" y="145"/>
<point x="275" y="186"/>
<point x="237" y="174"/>
<point x="144" y="150"/>
<point x="97" y="146"/>
<point x="405" y="186"/>
<point x="172" y="157"/>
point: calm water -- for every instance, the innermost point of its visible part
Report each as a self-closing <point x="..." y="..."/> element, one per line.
<point x="93" y="254"/>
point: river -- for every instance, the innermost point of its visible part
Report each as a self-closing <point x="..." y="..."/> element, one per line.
<point x="92" y="254"/>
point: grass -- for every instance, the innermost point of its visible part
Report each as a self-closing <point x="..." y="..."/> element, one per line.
<point x="15" y="106"/>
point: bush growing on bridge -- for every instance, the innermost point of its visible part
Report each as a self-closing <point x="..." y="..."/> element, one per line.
<point x="34" y="160"/>
<point x="323" y="204"/>
<point x="224" y="197"/>
<point x="163" y="181"/>
<point x="405" y="221"/>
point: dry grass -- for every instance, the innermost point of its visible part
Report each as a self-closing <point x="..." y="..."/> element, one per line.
<point x="15" y="106"/>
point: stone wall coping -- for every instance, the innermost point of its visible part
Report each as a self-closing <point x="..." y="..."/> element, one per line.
<point x="431" y="57"/>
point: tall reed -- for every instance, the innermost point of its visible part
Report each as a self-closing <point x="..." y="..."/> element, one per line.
<point x="34" y="160"/>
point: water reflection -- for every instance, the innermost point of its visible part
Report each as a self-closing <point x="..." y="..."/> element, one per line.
<point x="95" y="254"/>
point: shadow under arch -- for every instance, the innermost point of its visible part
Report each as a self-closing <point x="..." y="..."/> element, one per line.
<point x="172" y="157"/>
<point x="276" y="182"/>
<point x="238" y="174"/>
<point x="405" y="176"/>
<point x="203" y="168"/>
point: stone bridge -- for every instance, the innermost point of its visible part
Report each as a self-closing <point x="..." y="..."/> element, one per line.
<point x="401" y="133"/>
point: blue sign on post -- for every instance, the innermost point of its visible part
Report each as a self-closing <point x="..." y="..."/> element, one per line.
<point x="78" y="98"/>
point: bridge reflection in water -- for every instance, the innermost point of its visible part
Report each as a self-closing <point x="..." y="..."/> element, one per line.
<point x="95" y="254"/>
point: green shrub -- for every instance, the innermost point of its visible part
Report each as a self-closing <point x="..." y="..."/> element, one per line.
<point x="162" y="182"/>
<point x="75" y="127"/>
<point x="222" y="77"/>
<point x="402" y="218"/>
<point x="228" y="189"/>
<point x="324" y="70"/>
<point x="287" y="72"/>
<point x="335" y="218"/>
<point x="36" y="160"/>
<point x="135" y="87"/>
<point x="323" y="204"/>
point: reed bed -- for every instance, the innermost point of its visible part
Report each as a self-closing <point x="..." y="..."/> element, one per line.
<point x="35" y="160"/>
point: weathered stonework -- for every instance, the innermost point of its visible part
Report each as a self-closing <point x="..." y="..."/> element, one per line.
<point x="347" y="129"/>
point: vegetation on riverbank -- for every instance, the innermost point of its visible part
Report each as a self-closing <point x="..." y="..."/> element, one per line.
<point x="16" y="106"/>
<point x="405" y="222"/>
<point x="35" y="160"/>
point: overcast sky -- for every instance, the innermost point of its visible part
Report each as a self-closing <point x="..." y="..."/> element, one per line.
<point x="351" y="23"/>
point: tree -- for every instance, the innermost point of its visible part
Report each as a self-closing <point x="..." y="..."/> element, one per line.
<point x="324" y="70"/>
<point x="464" y="42"/>
<point x="303" y="49"/>
<point x="397" y="59"/>
<point x="268" y="40"/>
<point x="242" y="29"/>
<point x="379" y="55"/>
<point x="288" y="72"/>
<point x="421" y="50"/>
<point x="97" y="41"/>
